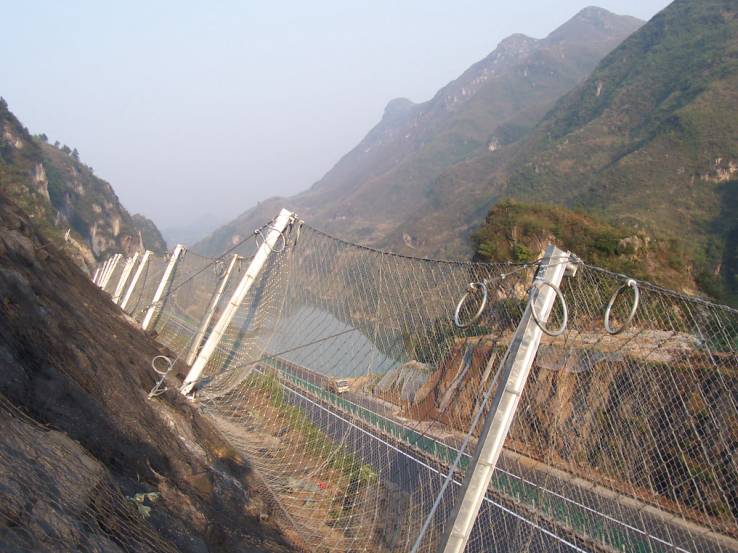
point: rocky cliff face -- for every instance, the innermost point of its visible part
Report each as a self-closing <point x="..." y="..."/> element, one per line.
<point x="62" y="194"/>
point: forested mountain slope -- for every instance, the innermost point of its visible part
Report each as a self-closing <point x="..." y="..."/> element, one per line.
<point x="649" y="143"/>
<point x="60" y="193"/>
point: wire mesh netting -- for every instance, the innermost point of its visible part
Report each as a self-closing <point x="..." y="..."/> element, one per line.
<point x="345" y="381"/>
<point x="58" y="497"/>
<point x="633" y="434"/>
<point x="142" y="294"/>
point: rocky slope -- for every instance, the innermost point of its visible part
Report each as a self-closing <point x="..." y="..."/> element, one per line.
<point x="392" y="174"/>
<point x="87" y="461"/>
<point x="575" y="416"/>
<point x="60" y="193"/>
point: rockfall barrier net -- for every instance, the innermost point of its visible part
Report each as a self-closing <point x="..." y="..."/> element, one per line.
<point x="345" y="381"/>
<point x="58" y="497"/>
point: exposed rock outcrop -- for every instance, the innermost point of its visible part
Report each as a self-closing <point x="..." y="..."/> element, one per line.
<point x="60" y="194"/>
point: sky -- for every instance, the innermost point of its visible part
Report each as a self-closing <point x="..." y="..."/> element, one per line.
<point x="202" y="109"/>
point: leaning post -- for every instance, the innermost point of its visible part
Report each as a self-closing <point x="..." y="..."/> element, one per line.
<point x="168" y="272"/>
<point x="103" y="268"/>
<point x="130" y="263"/>
<point x="197" y="340"/>
<point x="515" y="370"/>
<point x="280" y="224"/>
<point x="134" y="281"/>
<point x="109" y="272"/>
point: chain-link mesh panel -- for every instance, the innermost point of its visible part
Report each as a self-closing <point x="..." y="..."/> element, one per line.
<point x="344" y="380"/>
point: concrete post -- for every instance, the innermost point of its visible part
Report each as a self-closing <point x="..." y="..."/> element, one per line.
<point x="103" y="268"/>
<point x="130" y="263"/>
<point x="109" y="272"/>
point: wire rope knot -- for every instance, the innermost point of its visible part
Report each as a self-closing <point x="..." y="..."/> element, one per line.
<point x="630" y="283"/>
<point x="535" y="291"/>
<point x="471" y="289"/>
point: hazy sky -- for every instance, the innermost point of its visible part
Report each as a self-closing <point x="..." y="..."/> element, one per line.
<point x="190" y="108"/>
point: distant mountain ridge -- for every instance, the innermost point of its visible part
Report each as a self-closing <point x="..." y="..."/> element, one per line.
<point x="60" y="193"/>
<point x="391" y="174"/>
<point x="648" y="142"/>
<point x="189" y="232"/>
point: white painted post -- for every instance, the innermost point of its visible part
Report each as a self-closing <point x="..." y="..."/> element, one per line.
<point x="103" y="268"/>
<point x="104" y="271"/>
<point x="515" y="370"/>
<point x="280" y="224"/>
<point x="111" y="268"/>
<point x="94" y="277"/>
<point x="195" y="348"/>
<point x="136" y="276"/>
<point x="162" y="285"/>
<point x="126" y="261"/>
<point x="109" y="272"/>
<point x="116" y="264"/>
<point x="130" y="262"/>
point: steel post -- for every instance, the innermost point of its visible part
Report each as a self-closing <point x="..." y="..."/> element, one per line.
<point x="514" y="374"/>
<point x="168" y="272"/>
<point x="280" y="224"/>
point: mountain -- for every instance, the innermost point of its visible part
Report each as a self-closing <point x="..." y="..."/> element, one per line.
<point x="392" y="173"/>
<point x="60" y="193"/>
<point x="649" y="143"/>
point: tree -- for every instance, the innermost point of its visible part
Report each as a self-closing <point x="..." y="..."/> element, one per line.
<point x="3" y="103"/>
<point x="66" y="149"/>
<point x="57" y="144"/>
<point x="75" y="154"/>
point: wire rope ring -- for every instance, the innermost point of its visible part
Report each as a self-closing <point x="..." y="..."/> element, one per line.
<point x="167" y="360"/>
<point x="473" y="287"/>
<point x="630" y="283"/>
<point x="159" y="388"/>
<point x="258" y="233"/>
<point x="559" y="331"/>
<point x="219" y="268"/>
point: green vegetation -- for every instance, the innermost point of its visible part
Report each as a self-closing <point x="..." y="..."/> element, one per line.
<point x="317" y="442"/>
<point x="518" y="231"/>
<point x="648" y="145"/>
